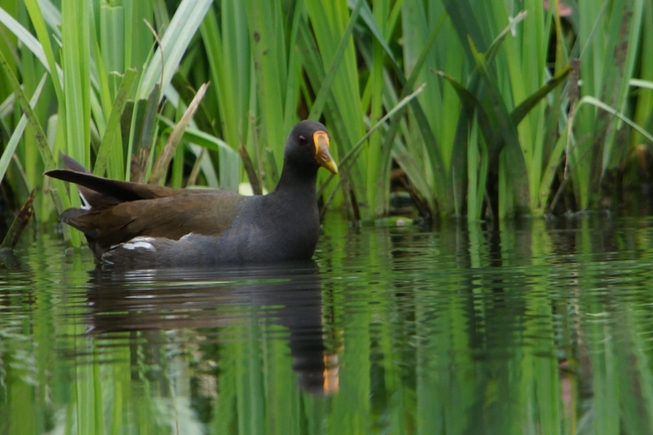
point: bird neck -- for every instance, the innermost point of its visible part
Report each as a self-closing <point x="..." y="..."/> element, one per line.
<point x="295" y="180"/>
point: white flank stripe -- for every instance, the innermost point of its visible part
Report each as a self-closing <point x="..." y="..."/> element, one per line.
<point x="139" y="243"/>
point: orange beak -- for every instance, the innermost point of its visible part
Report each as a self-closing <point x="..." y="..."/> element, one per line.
<point x="322" y="154"/>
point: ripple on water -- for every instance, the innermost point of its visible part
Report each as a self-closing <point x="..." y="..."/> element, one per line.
<point x="466" y="322"/>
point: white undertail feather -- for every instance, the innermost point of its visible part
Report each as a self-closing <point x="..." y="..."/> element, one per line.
<point x="85" y="204"/>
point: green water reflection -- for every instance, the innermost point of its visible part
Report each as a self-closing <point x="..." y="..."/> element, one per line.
<point x="536" y="328"/>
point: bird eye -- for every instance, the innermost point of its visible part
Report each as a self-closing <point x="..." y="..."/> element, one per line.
<point x="302" y="140"/>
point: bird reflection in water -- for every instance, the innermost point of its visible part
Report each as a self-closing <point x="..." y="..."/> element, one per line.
<point x="215" y="301"/>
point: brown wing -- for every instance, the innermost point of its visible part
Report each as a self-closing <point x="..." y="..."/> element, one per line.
<point x="122" y="210"/>
<point x="100" y="192"/>
<point x="172" y="217"/>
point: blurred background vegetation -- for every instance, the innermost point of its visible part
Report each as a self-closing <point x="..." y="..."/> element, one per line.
<point x="530" y="107"/>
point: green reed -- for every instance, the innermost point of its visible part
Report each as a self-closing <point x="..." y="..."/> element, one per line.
<point x="609" y="35"/>
<point x="500" y="129"/>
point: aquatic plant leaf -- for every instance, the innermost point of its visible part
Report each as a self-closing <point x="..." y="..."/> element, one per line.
<point x="325" y="86"/>
<point x="11" y="146"/>
<point x="471" y="104"/>
<point x="182" y="28"/>
<point x="112" y="131"/>
<point x="519" y="112"/>
<point x="161" y="166"/>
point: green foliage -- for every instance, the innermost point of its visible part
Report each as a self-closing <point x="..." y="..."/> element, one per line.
<point x="609" y="35"/>
<point x="501" y="129"/>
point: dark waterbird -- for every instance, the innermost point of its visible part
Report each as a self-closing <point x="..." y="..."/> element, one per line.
<point x="139" y="225"/>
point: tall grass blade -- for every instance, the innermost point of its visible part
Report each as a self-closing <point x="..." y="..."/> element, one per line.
<point x="349" y="159"/>
<point x="35" y="12"/>
<point x="19" y="223"/>
<point x="11" y="146"/>
<point x="76" y="58"/>
<point x="525" y="107"/>
<point x="325" y="87"/>
<point x="59" y="192"/>
<point x="228" y="52"/>
<point x="182" y="28"/>
<point x="641" y="83"/>
<point x="601" y="105"/>
<point x="466" y="25"/>
<point x="275" y="78"/>
<point x="143" y="129"/>
<point x="201" y="138"/>
<point x="25" y="37"/>
<point x="111" y="143"/>
<point x="379" y="173"/>
<point x="344" y="114"/>
<point x="46" y="153"/>
<point x="477" y="167"/>
<point x="643" y="114"/>
<point x="414" y="174"/>
<point x="609" y="34"/>
<point x="161" y="166"/>
<point x="496" y="43"/>
<point x="473" y="106"/>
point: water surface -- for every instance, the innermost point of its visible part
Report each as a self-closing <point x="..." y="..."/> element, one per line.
<point x="533" y="328"/>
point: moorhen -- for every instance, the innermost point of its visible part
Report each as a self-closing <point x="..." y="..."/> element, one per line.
<point x="138" y="225"/>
